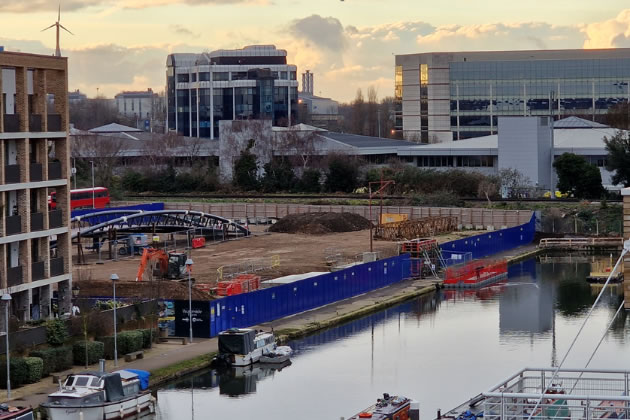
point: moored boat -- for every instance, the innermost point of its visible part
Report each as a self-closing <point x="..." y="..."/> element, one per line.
<point x="279" y="356"/>
<point x="101" y="396"/>
<point x="243" y="346"/>
<point x="390" y="407"/>
<point x="8" y="412"/>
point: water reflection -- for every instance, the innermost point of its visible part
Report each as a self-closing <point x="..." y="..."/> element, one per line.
<point x="440" y="349"/>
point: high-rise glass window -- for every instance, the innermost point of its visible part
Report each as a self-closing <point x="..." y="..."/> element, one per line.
<point x="182" y="78"/>
<point x="220" y="76"/>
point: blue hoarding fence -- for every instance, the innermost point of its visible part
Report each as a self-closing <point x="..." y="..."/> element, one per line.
<point x="143" y="207"/>
<point x="492" y="242"/>
<point x="266" y="305"/>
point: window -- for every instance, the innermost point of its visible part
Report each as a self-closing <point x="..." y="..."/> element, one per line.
<point x="204" y="76"/>
<point x="193" y="77"/>
<point x="182" y="78"/>
<point x="221" y="76"/>
<point x="283" y="75"/>
<point x="81" y="381"/>
<point x="293" y="75"/>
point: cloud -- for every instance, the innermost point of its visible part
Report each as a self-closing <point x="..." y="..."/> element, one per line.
<point x="612" y="33"/>
<point x="322" y="32"/>
<point x="28" y="6"/>
<point x="182" y="30"/>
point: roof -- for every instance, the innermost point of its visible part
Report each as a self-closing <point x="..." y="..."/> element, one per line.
<point x="356" y="140"/>
<point x="114" y="128"/>
<point x="298" y="127"/>
<point x="576" y="122"/>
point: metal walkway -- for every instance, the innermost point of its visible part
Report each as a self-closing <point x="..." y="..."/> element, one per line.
<point x="163" y="221"/>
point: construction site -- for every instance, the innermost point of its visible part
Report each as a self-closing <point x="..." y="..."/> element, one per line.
<point x="151" y="261"/>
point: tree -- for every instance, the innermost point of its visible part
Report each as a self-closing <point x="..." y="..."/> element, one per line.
<point x="513" y="181"/>
<point x="246" y="171"/>
<point x="618" y="116"/>
<point x="358" y="114"/>
<point x="578" y="177"/>
<point x="310" y="181"/>
<point x="618" y="148"/>
<point x="342" y="174"/>
<point x="278" y="176"/>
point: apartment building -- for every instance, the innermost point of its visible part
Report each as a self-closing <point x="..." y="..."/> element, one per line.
<point x="35" y="243"/>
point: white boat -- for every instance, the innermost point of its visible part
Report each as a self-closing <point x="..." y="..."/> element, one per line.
<point x="101" y="396"/>
<point x="242" y="347"/>
<point x="278" y="356"/>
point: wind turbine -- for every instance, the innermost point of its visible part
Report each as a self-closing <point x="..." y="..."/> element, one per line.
<point x="58" y="25"/>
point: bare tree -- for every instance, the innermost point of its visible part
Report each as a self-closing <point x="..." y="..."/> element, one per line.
<point x="358" y="113"/>
<point x="105" y="151"/>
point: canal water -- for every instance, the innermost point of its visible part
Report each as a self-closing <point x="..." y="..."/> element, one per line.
<point x="439" y="349"/>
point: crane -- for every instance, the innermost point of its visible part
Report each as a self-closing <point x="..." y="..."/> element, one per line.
<point x="171" y="265"/>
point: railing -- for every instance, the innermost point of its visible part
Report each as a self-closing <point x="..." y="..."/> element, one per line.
<point x="14" y="275"/>
<point x="37" y="221"/>
<point x="35" y="123"/>
<point x="54" y="170"/>
<point x="38" y="270"/>
<point x="579" y="242"/>
<point x="11" y="123"/>
<point x="54" y="122"/>
<point x="574" y="394"/>
<point x="13" y="224"/>
<point x="35" y="172"/>
<point x="11" y="174"/>
<point x="56" y="266"/>
<point x="55" y="219"/>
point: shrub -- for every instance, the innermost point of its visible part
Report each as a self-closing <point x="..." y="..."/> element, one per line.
<point x="54" y="359"/>
<point x="127" y="341"/>
<point x="246" y="171"/>
<point x="19" y="372"/>
<point x="343" y="174"/>
<point x="309" y="182"/>
<point x="437" y="199"/>
<point x="56" y="332"/>
<point x="278" y="176"/>
<point x="95" y="352"/>
<point x="146" y="337"/>
<point x="34" y="369"/>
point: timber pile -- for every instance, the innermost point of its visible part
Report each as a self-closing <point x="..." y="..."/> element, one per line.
<point x="320" y="223"/>
<point x="419" y="228"/>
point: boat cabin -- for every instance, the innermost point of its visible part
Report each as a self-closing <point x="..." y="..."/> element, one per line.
<point x="93" y="388"/>
<point x="386" y="408"/>
<point x="243" y="341"/>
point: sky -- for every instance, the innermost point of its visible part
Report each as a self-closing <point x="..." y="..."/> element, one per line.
<point x="122" y="44"/>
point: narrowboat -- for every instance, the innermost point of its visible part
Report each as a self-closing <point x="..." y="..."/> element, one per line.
<point x="244" y="346"/>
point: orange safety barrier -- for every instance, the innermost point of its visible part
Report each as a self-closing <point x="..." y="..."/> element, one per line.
<point x="198" y="242"/>
<point x="243" y="283"/>
<point x="475" y="272"/>
<point x="419" y="246"/>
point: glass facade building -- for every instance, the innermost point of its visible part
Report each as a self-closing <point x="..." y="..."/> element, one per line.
<point x="452" y="96"/>
<point x="252" y="83"/>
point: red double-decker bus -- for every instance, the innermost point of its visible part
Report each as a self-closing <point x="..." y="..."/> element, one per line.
<point x="87" y="198"/>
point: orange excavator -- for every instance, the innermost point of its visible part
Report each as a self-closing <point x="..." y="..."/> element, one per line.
<point x="170" y="265"/>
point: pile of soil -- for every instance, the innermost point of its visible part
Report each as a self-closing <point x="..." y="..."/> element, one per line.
<point x="320" y="223"/>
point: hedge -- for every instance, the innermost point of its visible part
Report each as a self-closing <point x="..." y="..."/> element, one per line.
<point x="127" y="341"/>
<point x="146" y="338"/>
<point x="95" y="351"/>
<point x="35" y="367"/>
<point x="20" y="371"/>
<point x="55" y="359"/>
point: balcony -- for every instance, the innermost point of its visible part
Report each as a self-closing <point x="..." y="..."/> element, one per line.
<point x="38" y="270"/>
<point x="54" y="122"/>
<point x="35" y="172"/>
<point x="11" y="123"/>
<point x="37" y="221"/>
<point x="11" y="174"/>
<point x="35" y="123"/>
<point x="13" y="225"/>
<point x="14" y="275"/>
<point x="56" y="267"/>
<point x="55" y="219"/>
<point x="54" y="170"/>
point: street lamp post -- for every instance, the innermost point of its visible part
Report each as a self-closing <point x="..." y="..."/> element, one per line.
<point x="93" y="192"/>
<point x="189" y="264"/>
<point x="6" y="298"/>
<point x="114" y="279"/>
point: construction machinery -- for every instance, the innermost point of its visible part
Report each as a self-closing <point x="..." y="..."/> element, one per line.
<point x="171" y="265"/>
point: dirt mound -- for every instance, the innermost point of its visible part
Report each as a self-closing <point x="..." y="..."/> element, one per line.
<point x="320" y="223"/>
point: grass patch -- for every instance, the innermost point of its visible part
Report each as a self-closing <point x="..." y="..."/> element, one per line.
<point x="176" y="370"/>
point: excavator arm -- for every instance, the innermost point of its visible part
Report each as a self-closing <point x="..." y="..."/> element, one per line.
<point x="149" y="254"/>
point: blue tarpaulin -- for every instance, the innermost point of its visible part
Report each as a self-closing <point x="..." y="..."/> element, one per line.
<point x="143" y="375"/>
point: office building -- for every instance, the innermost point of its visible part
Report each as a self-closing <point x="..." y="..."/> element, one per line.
<point x="142" y="107"/>
<point x="35" y="251"/>
<point x="250" y="83"/>
<point x="76" y="97"/>
<point x="456" y="95"/>
<point x="315" y="110"/>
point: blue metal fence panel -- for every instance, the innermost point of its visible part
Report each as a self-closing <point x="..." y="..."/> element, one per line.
<point x="494" y="242"/>
<point x="143" y="207"/>
<point x="277" y="302"/>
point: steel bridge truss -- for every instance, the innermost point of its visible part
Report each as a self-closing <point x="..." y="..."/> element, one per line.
<point x="163" y="221"/>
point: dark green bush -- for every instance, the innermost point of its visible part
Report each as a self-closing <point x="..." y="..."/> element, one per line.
<point x="56" y="332"/>
<point x="95" y="351"/>
<point x="55" y="359"/>
<point x="343" y="174"/>
<point x="35" y="368"/>
<point x="19" y="372"/>
<point x="146" y="337"/>
<point x="309" y="182"/>
<point x="128" y="342"/>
